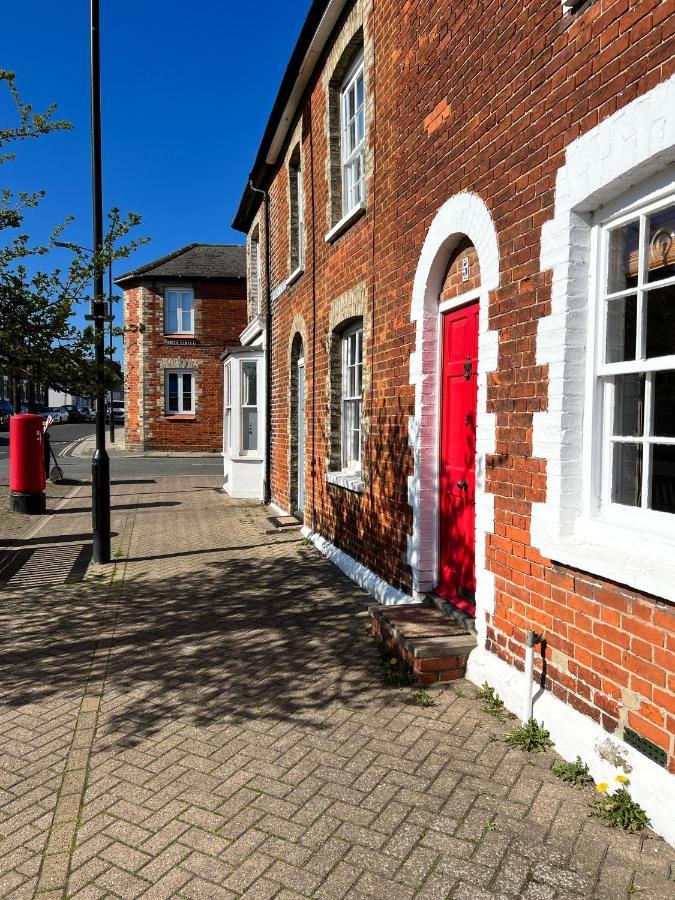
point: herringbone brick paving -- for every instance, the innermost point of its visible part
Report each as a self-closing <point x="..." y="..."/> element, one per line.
<point x="210" y="722"/>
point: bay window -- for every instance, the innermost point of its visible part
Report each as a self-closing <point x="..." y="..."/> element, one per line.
<point x="249" y="407"/>
<point x="243" y="403"/>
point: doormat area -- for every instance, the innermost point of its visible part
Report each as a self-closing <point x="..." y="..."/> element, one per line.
<point x="435" y="647"/>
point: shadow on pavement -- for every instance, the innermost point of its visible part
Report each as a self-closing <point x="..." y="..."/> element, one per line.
<point x="266" y="638"/>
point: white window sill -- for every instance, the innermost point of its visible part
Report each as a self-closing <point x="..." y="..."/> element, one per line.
<point x="605" y="547"/>
<point x="348" y="479"/>
<point x="295" y="274"/>
<point x="238" y="457"/>
<point x="345" y="223"/>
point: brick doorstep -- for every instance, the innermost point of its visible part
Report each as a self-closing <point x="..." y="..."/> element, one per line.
<point x="435" y="647"/>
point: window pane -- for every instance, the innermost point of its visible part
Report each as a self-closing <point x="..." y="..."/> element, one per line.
<point x="228" y="429"/>
<point x="172" y="311"/>
<point x="663" y="478"/>
<point x="186" y="306"/>
<point x="248" y="384"/>
<point x="187" y="393"/>
<point x="629" y="397"/>
<point x="661" y="263"/>
<point x="359" y="90"/>
<point x="621" y="329"/>
<point x="664" y="404"/>
<point x="627" y="474"/>
<point x="661" y="321"/>
<point x="622" y="262"/>
<point x="173" y="392"/>
<point x="249" y="431"/>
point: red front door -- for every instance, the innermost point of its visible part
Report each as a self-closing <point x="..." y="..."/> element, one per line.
<point x="457" y="571"/>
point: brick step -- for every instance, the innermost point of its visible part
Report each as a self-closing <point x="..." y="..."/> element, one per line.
<point x="435" y="647"/>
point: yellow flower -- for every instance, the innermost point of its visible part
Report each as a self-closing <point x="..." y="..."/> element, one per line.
<point x="393" y="661"/>
<point x="622" y="779"/>
<point x="602" y="787"/>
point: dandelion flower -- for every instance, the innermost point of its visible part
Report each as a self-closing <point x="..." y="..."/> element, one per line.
<point x="393" y="661"/>
<point x="622" y="779"/>
<point x="602" y="787"/>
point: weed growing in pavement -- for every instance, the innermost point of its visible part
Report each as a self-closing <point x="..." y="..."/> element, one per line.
<point x="572" y="772"/>
<point x="395" y="672"/>
<point x="619" y="808"/>
<point x="531" y="736"/>
<point x="491" y="702"/>
<point x="422" y="698"/>
<point x="491" y="825"/>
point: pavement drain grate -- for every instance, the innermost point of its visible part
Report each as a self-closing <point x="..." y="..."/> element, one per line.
<point x="45" y="565"/>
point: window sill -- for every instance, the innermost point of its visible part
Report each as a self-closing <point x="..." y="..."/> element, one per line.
<point x="345" y="223"/>
<point x="238" y="457"/>
<point x="604" y="547"/>
<point x="351" y="481"/>
<point x="180" y="417"/>
<point x="179" y="334"/>
<point x="295" y="274"/>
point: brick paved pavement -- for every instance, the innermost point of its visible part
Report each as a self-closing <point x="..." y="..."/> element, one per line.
<point x="208" y="721"/>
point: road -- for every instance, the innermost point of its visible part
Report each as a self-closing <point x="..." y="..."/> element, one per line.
<point x="79" y="468"/>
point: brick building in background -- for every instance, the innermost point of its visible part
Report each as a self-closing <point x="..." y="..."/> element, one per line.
<point x="472" y="277"/>
<point x="192" y="303"/>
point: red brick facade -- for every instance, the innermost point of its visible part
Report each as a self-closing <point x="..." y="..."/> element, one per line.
<point x="219" y="318"/>
<point x="483" y="98"/>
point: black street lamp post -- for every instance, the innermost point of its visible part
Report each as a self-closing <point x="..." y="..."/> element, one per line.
<point x="100" y="464"/>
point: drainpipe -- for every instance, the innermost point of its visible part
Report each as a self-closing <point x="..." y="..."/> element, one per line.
<point x="531" y="641"/>
<point x="267" y="487"/>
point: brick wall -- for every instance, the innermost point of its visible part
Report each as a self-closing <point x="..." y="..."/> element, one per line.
<point x="482" y="98"/>
<point x="220" y="317"/>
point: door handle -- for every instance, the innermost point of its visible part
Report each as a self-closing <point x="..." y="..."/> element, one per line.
<point x="462" y="484"/>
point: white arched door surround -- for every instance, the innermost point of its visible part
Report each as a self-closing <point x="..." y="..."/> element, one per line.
<point x="463" y="215"/>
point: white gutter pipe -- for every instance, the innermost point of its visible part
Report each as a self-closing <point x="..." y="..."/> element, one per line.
<point x="531" y="641"/>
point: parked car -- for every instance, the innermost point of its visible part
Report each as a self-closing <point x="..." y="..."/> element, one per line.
<point x="74" y="413"/>
<point x="88" y="414"/>
<point x="117" y="411"/>
<point x="59" y="414"/>
<point x="6" y="410"/>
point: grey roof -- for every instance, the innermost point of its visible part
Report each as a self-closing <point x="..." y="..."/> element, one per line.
<point x="194" y="261"/>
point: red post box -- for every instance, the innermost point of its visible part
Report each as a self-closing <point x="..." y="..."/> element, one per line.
<point x="26" y="464"/>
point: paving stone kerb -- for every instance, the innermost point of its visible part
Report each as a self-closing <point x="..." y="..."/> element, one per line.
<point x="206" y="719"/>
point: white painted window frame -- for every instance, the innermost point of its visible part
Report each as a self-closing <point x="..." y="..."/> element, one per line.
<point x="180" y="411"/>
<point x="180" y="291"/>
<point x="353" y="191"/>
<point x="227" y="406"/>
<point x="245" y="405"/>
<point x="350" y="432"/>
<point x="598" y="456"/>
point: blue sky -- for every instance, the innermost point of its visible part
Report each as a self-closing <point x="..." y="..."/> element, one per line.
<point x="186" y="91"/>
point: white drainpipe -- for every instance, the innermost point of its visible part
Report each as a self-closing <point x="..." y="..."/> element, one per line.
<point x="532" y="640"/>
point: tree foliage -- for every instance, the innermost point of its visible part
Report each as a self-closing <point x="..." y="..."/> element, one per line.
<point x="38" y="339"/>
